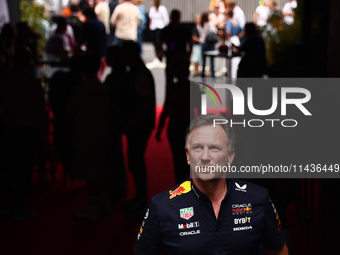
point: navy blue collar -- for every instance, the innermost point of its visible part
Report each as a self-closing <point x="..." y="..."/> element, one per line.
<point x="201" y="196"/>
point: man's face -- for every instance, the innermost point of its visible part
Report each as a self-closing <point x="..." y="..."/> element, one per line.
<point x="216" y="8"/>
<point x="197" y="20"/>
<point x="208" y="147"/>
<point x="232" y="6"/>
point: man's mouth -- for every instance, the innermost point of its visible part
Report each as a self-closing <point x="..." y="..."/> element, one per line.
<point x="205" y="169"/>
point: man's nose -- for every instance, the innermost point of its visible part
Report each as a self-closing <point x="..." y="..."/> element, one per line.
<point x="205" y="155"/>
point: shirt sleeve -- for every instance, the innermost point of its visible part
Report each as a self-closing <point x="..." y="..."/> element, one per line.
<point x="151" y="11"/>
<point x="165" y="16"/>
<point x="149" y="238"/>
<point x="241" y="17"/>
<point x="258" y="9"/>
<point x="195" y="31"/>
<point x="286" y="8"/>
<point x="71" y="33"/>
<point x="114" y="16"/>
<point x="272" y="237"/>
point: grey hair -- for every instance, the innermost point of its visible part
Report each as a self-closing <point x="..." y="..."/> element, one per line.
<point x="207" y="120"/>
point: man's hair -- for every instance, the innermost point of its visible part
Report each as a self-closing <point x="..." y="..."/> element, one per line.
<point x="208" y="120"/>
<point x="89" y="13"/>
<point x="275" y="5"/>
<point x="204" y="18"/>
<point x="250" y="28"/>
<point x="175" y="14"/>
<point x="131" y="47"/>
<point x="74" y="8"/>
<point x="61" y="22"/>
<point x="232" y="3"/>
<point x="157" y="3"/>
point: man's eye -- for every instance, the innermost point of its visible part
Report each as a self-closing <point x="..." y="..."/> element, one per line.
<point x="197" y="147"/>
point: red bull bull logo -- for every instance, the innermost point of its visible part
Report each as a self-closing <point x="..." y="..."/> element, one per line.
<point x="176" y="192"/>
<point x="185" y="187"/>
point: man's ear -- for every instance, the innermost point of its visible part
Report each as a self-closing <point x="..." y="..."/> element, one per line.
<point x="187" y="152"/>
<point x="231" y="157"/>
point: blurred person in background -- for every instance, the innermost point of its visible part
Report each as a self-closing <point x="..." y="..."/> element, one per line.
<point x="159" y="19"/>
<point x="142" y="23"/>
<point x="88" y="106"/>
<point x="223" y="6"/>
<point x="179" y="108"/>
<point x="67" y="11"/>
<point x="91" y="3"/>
<point x="274" y="24"/>
<point x="27" y="39"/>
<point x="197" y="47"/>
<point x="102" y="11"/>
<point x="7" y="47"/>
<point x="83" y="4"/>
<point x="112" y="5"/>
<point x="24" y="132"/>
<point x="273" y="7"/>
<point x="233" y="34"/>
<point x="238" y="13"/>
<point x="254" y="48"/>
<point x="261" y="15"/>
<point x="139" y="121"/>
<point x="219" y="20"/>
<point x="204" y="29"/>
<point x="288" y="11"/>
<point x="178" y="42"/>
<point x="233" y="29"/>
<point x="75" y="23"/>
<point x="93" y="33"/>
<point x="61" y="41"/>
<point x="61" y="86"/>
<point x="116" y="81"/>
<point x="125" y="18"/>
